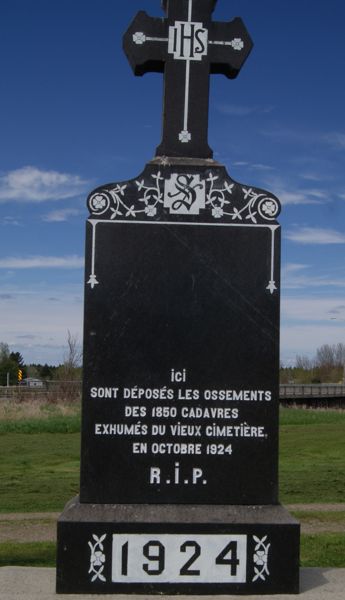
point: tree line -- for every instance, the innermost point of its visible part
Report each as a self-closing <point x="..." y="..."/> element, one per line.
<point x="13" y="362"/>
<point x="327" y="366"/>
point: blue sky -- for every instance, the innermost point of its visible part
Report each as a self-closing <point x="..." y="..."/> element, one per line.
<point x="73" y="117"/>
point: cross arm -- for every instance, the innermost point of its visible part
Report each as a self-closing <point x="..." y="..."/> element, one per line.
<point x="229" y="46"/>
<point x="143" y="44"/>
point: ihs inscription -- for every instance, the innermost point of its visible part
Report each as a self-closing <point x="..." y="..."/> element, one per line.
<point x="188" y="46"/>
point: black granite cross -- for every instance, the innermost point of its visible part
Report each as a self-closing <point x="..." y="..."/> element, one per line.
<point x="187" y="46"/>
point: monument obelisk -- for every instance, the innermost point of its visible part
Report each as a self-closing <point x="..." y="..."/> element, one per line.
<point x="179" y="455"/>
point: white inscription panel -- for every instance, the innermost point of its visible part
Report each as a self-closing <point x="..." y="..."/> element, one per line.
<point x="174" y="558"/>
<point x="184" y="194"/>
<point x="188" y="40"/>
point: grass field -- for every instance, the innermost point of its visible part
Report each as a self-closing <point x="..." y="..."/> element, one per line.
<point x="39" y="468"/>
<point x="312" y="463"/>
<point x="39" y="471"/>
<point x="37" y="417"/>
<point x="322" y="550"/>
<point x="35" y="554"/>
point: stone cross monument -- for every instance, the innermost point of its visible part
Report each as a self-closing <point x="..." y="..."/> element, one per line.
<point x="187" y="46"/>
<point x="179" y="454"/>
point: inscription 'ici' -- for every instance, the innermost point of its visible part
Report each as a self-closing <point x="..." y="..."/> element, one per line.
<point x="178" y="376"/>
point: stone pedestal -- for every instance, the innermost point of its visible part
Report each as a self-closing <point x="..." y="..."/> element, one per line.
<point x="177" y="549"/>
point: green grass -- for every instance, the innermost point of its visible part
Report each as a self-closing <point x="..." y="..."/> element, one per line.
<point x="312" y="463"/>
<point x="53" y="418"/>
<point x="300" y="416"/>
<point x="322" y="550"/>
<point x="34" y="554"/>
<point x="320" y="517"/>
<point x="56" y="424"/>
<point x="39" y="417"/>
<point x="38" y="472"/>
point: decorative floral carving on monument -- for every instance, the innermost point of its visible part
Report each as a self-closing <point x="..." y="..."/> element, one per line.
<point x="114" y="199"/>
<point x="255" y="203"/>
<point x="237" y="44"/>
<point x="224" y="199"/>
<point x="97" y="557"/>
<point x="168" y="194"/>
<point x="139" y="37"/>
<point x="260" y="558"/>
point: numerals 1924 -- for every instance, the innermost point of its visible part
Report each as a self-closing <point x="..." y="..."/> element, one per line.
<point x="178" y="557"/>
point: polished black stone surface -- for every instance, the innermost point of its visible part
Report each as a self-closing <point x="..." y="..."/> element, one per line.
<point x="187" y="46"/>
<point x="180" y="399"/>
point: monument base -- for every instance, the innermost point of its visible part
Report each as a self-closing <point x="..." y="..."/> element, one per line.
<point x="177" y="549"/>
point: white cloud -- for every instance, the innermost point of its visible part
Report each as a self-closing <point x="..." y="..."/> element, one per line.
<point x="257" y="166"/>
<point x="309" y="176"/>
<point x="288" y="193"/>
<point x="37" y="327"/>
<point x="262" y="167"/>
<point x="10" y="221"/>
<point x="290" y="135"/>
<point x="313" y="309"/>
<point x="315" y="235"/>
<point x="296" y="276"/>
<point x="30" y="184"/>
<point x="294" y="282"/>
<point x="290" y="197"/>
<point x="335" y="139"/>
<point x="42" y="262"/>
<point x="59" y="216"/>
<point x="316" y="193"/>
<point x="308" y="322"/>
<point x="305" y="339"/>
<point x="338" y="312"/>
<point x="293" y="267"/>
<point x="293" y="275"/>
